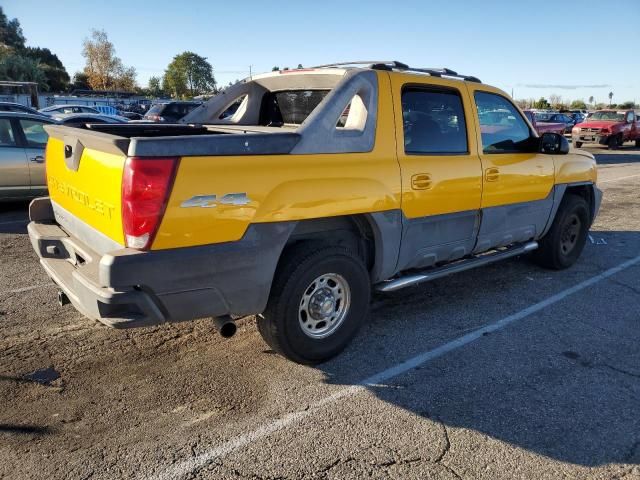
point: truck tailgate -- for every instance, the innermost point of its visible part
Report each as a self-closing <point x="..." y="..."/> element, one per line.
<point x="84" y="175"/>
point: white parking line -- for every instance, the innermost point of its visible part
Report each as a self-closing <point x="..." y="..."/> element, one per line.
<point x="619" y="178"/>
<point x="189" y="466"/>
<point x="26" y="289"/>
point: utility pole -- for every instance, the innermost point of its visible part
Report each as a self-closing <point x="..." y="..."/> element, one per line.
<point x="250" y="77"/>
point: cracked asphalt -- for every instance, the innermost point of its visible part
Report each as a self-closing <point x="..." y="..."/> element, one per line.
<point x="554" y="395"/>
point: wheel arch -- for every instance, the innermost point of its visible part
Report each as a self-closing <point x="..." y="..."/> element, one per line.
<point x="374" y="236"/>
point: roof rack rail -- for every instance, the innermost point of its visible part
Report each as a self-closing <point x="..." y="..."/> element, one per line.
<point x="389" y="63"/>
<point x="396" y="65"/>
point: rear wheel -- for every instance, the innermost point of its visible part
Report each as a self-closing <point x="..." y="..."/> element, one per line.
<point x="563" y="243"/>
<point x="319" y="299"/>
<point x="637" y="142"/>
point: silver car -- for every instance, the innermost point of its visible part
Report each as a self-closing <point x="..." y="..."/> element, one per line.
<point x="22" y="144"/>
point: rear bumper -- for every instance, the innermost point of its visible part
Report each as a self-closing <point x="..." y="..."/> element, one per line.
<point x="129" y="288"/>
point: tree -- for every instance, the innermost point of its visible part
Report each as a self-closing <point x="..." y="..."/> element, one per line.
<point x="53" y="69"/>
<point x="578" y="105"/>
<point x="626" y="105"/>
<point x="542" y="104"/>
<point x="556" y="102"/>
<point x="104" y="69"/>
<point x="22" y="69"/>
<point x="300" y="66"/>
<point x="81" y="81"/>
<point x="10" y="32"/>
<point x="189" y="75"/>
<point x="591" y="100"/>
<point x="610" y="97"/>
<point x="275" y="69"/>
<point x="154" y="88"/>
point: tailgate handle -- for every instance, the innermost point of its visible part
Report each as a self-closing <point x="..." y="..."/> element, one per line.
<point x="73" y="149"/>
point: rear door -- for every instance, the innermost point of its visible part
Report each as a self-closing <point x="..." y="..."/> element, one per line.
<point x="441" y="170"/>
<point x="518" y="180"/>
<point x="35" y="141"/>
<point x="14" y="170"/>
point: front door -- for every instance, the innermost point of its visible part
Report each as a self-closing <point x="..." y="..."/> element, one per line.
<point x="14" y="171"/>
<point x="517" y="180"/>
<point x="441" y="171"/>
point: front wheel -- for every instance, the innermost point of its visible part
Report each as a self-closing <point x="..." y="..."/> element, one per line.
<point x="318" y="301"/>
<point x="563" y="243"/>
<point x="578" y="144"/>
<point x="615" y="141"/>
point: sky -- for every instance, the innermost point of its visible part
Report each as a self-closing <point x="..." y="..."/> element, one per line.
<point x="533" y="48"/>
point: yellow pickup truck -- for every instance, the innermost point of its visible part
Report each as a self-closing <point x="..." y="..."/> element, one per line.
<point x="291" y="195"/>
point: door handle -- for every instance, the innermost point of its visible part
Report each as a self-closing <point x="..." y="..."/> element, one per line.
<point x="491" y="174"/>
<point x="421" y="181"/>
<point x="37" y="159"/>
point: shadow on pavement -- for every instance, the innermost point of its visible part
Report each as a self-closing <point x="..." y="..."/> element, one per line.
<point x="561" y="383"/>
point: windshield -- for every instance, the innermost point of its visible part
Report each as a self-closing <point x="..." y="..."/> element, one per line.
<point x="289" y="106"/>
<point x="608" y="116"/>
<point x="156" y="109"/>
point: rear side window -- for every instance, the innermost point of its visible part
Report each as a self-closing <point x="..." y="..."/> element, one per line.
<point x="502" y="127"/>
<point x="433" y="122"/>
<point x="7" y="139"/>
<point x="34" y="132"/>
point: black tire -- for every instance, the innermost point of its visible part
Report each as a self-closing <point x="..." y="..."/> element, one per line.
<point x="565" y="240"/>
<point x="280" y="324"/>
<point x="578" y="144"/>
<point x="615" y="141"/>
<point x="637" y="142"/>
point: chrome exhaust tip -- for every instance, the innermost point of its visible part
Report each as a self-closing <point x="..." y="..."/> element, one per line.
<point x="225" y="326"/>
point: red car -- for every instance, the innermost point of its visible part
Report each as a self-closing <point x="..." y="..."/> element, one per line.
<point x="608" y="127"/>
<point x="544" y="127"/>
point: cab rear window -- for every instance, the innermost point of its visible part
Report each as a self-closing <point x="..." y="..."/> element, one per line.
<point x="289" y="107"/>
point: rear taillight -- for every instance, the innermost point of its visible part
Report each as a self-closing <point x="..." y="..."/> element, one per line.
<point x="146" y="184"/>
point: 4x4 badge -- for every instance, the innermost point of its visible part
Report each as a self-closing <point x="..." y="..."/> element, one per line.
<point x="211" y="201"/>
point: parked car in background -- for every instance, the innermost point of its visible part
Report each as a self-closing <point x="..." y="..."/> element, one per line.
<point x="22" y="143"/>
<point x="608" y="127"/>
<point x="566" y="120"/>
<point x="81" y="119"/>
<point x="544" y="127"/>
<point x="107" y="109"/>
<point x="577" y="117"/>
<point x="60" y="109"/>
<point x="17" y="107"/>
<point x="130" y="115"/>
<point x="170" y="112"/>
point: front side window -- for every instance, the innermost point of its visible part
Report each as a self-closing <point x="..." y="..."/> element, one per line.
<point x="502" y="127"/>
<point x="34" y="132"/>
<point x="433" y="122"/>
<point x="630" y="117"/>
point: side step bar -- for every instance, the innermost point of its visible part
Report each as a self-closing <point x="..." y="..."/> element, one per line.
<point x="459" y="266"/>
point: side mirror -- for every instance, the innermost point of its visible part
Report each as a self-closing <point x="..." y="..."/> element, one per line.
<point x="553" y="143"/>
